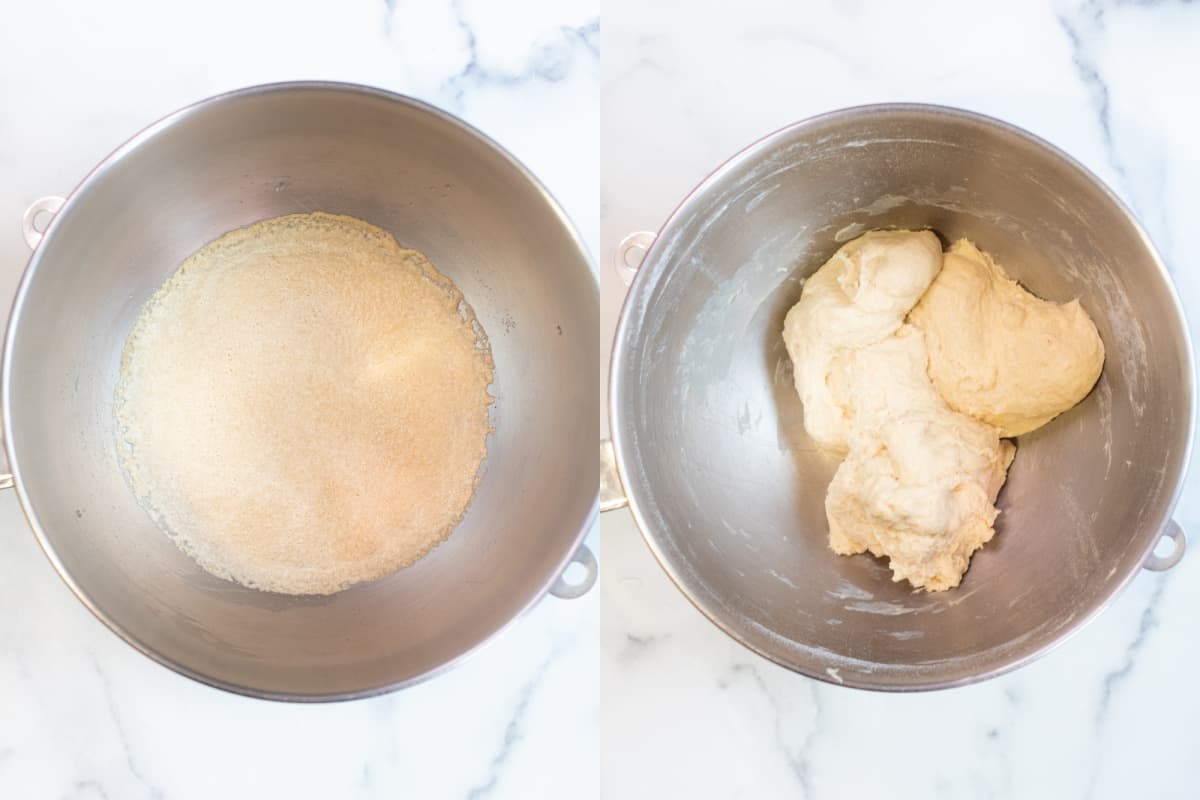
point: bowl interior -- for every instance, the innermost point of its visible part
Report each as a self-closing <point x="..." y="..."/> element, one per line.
<point x="728" y="487"/>
<point x="437" y="187"/>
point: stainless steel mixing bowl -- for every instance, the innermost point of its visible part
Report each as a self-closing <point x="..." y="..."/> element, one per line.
<point x="728" y="489"/>
<point x="439" y="186"/>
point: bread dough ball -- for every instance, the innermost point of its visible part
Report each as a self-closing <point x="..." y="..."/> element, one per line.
<point x="859" y="297"/>
<point x="997" y="352"/>
<point x="920" y="480"/>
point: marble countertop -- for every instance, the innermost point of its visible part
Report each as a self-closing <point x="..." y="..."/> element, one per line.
<point x="82" y="715"/>
<point x="686" y="712"/>
<point x="1114" y="712"/>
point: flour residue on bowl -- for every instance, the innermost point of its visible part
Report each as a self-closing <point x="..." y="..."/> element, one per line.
<point x="304" y="405"/>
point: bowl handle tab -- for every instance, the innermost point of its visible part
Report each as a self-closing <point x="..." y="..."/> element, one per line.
<point x="630" y="252"/>
<point x="1175" y="533"/>
<point x="30" y="221"/>
<point x="569" y="590"/>
<point x="612" y="494"/>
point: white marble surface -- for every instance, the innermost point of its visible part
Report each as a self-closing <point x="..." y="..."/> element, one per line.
<point x="1113" y="713"/>
<point x="84" y="716"/>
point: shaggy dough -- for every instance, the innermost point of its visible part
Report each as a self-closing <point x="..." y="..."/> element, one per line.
<point x="920" y="483"/>
<point x="999" y="353"/>
<point x="920" y="480"/>
<point x="918" y="407"/>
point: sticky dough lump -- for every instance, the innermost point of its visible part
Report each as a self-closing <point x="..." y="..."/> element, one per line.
<point x="918" y="406"/>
